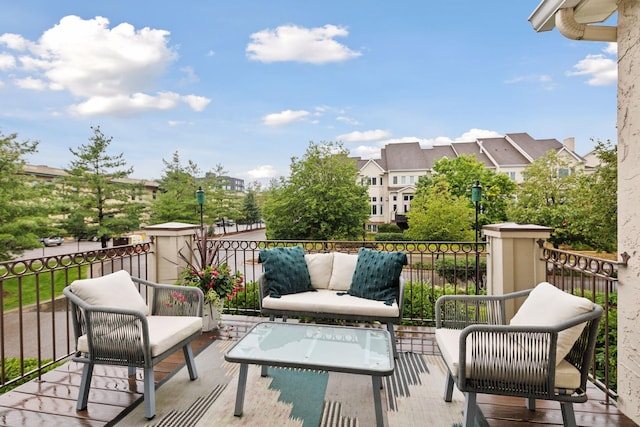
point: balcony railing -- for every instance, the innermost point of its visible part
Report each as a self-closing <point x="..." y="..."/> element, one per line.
<point x="36" y="331"/>
<point x="597" y="280"/>
<point x="35" y="326"/>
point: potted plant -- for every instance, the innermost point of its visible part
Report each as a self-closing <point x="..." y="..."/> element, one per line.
<point x="212" y="275"/>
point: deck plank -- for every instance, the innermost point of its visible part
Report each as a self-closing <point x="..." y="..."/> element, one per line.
<point x="52" y="400"/>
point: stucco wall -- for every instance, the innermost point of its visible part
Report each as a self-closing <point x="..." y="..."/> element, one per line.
<point x="629" y="207"/>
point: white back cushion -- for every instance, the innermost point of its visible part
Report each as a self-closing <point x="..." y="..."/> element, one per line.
<point x="547" y="305"/>
<point x="319" y="266"/>
<point x="343" y="267"/>
<point x="112" y="290"/>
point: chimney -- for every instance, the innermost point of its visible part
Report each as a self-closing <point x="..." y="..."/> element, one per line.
<point x="570" y="143"/>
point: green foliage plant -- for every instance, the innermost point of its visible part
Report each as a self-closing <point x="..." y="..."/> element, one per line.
<point x="321" y="200"/>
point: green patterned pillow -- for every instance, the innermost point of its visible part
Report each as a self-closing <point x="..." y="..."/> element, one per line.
<point x="285" y="270"/>
<point x="377" y="275"/>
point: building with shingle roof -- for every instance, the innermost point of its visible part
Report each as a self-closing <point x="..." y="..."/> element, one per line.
<point x="393" y="177"/>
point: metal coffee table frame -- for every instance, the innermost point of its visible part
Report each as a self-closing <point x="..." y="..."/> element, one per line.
<point x="353" y="350"/>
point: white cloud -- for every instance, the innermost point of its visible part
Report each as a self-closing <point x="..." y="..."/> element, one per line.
<point x="174" y="123"/>
<point x="603" y="70"/>
<point x="30" y="83"/>
<point x="284" y="117"/>
<point x="262" y="172"/>
<point x="366" y="152"/>
<point x="544" y="80"/>
<point x="14" y="41"/>
<point x="366" y="136"/>
<point x="348" y="120"/>
<point x="293" y="43"/>
<point x="474" y="133"/>
<point x="611" y="49"/>
<point x="7" y="62"/>
<point x="197" y="103"/>
<point x="124" y="105"/>
<point x="110" y="69"/>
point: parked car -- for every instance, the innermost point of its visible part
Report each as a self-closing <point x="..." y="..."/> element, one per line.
<point x="225" y="223"/>
<point x="52" y="241"/>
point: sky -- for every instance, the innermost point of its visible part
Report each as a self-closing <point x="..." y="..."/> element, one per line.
<point x="249" y="84"/>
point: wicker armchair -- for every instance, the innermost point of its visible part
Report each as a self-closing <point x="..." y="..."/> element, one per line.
<point x="525" y="358"/>
<point x="113" y="326"/>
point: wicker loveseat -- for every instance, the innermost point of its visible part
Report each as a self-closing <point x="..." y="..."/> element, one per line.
<point x="367" y="286"/>
<point x="545" y="351"/>
<point x="114" y="326"/>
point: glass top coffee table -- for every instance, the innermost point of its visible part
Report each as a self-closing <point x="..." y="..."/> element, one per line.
<point x="353" y="350"/>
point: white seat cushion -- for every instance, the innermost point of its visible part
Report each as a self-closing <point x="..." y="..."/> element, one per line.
<point x="164" y="332"/>
<point x="320" y="266"/>
<point x="567" y="376"/>
<point x="547" y="305"/>
<point x="111" y="290"/>
<point x="330" y="302"/>
<point x="344" y="265"/>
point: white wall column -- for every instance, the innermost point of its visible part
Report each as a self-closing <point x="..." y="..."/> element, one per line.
<point x="629" y="207"/>
<point x="514" y="258"/>
<point x="168" y="238"/>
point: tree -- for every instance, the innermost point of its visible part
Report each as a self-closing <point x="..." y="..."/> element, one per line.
<point x="437" y="214"/>
<point x="23" y="216"/>
<point x="222" y="202"/>
<point x="176" y="200"/>
<point x="462" y="172"/>
<point x="321" y="200"/>
<point x="250" y="209"/>
<point x="545" y="197"/>
<point x="595" y="201"/>
<point x="99" y="190"/>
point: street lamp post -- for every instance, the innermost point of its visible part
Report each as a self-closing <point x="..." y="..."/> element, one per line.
<point x="476" y="197"/>
<point x="200" y="199"/>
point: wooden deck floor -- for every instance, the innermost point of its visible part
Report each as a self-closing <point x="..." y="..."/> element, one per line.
<point x="52" y="400"/>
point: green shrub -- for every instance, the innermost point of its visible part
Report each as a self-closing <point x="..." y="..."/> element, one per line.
<point x="456" y="270"/>
<point x="389" y="228"/>
<point x="391" y="237"/>
<point x="246" y="299"/>
<point x="420" y="301"/>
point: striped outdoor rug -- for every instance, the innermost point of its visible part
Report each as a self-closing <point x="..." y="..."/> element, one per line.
<point x="288" y="397"/>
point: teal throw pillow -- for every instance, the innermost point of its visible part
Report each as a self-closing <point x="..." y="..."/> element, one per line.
<point x="285" y="270"/>
<point x="377" y="275"/>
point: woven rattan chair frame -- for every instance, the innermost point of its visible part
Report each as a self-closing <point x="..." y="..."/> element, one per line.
<point x="117" y="336"/>
<point x="513" y="360"/>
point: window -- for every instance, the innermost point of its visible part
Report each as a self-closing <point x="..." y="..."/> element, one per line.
<point x="512" y="176"/>
<point x="563" y="172"/>
<point x="395" y="197"/>
<point x="380" y="181"/>
<point x="395" y="208"/>
<point x="381" y="210"/>
<point x="395" y="180"/>
<point x="408" y="197"/>
<point x="374" y="210"/>
<point x="403" y="179"/>
<point x="412" y="179"/>
<point x="374" y="199"/>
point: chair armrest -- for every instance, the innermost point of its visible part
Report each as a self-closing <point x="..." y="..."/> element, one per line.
<point x="459" y="311"/>
<point x="401" y="288"/>
<point x="498" y="356"/>
<point x="174" y="300"/>
<point x="113" y="334"/>
<point x="262" y="287"/>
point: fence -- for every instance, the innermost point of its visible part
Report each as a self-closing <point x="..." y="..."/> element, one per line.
<point x="35" y="327"/>
<point x="36" y="330"/>
<point x="597" y="280"/>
